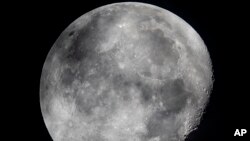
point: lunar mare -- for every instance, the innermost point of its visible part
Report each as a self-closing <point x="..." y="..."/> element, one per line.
<point x="125" y="72"/>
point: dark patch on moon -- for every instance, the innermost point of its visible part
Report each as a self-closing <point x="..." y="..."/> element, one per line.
<point x="67" y="77"/>
<point x="160" y="20"/>
<point x="71" y="33"/>
<point x="162" y="47"/>
<point x="147" y="92"/>
<point x="174" y="96"/>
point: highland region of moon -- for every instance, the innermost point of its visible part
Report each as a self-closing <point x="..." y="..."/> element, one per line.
<point x="125" y="72"/>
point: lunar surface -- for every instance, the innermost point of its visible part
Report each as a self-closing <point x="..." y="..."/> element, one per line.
<point x="125" y="72"/>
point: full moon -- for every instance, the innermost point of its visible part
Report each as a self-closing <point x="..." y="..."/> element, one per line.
<point x="125" y="72"/>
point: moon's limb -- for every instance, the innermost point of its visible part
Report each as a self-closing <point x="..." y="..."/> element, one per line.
<point x="125" y="71"/>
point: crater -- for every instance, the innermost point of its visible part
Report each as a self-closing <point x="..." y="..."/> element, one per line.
<point x="71" y="33"/>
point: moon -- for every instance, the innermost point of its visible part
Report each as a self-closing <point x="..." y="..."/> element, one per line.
<point x="125" y="72"/>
